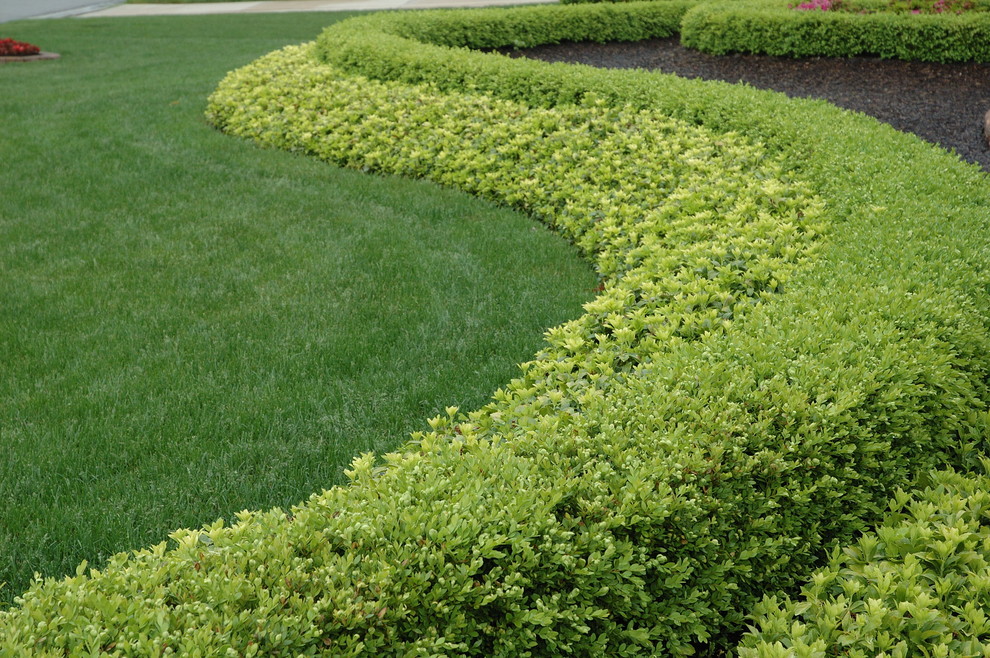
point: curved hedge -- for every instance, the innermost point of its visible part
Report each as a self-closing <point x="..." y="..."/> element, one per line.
<point x="770" y="27"/>
<point x="849" y="28"/>
<point x="743" y="397"/>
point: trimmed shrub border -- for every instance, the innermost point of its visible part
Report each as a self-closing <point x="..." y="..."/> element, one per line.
<point x="706" y="433"/>
<point x="770" y="27"/>
<point x="774" y="27"/>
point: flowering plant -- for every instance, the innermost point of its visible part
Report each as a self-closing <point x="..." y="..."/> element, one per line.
<point x="896" y="6"/>
<point x="9" y="47"/>
<point x="823" y="5"/>
<point x="928" y="7"/>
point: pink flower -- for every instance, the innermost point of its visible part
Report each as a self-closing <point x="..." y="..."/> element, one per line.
<point x="811" y="5"/>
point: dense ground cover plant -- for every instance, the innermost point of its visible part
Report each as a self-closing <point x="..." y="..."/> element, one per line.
<point x="670" y="456"/>
<point x="406" y="60"/>
<point x="12" y="48"/>
<point x="919" y="585"/>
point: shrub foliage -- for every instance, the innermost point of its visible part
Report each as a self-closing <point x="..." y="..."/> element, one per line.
<point x="772" y="27"/>
<point x="940" y="31"/>
<point x="917" y="586"/>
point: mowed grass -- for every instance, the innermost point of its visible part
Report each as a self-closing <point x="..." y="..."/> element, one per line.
<point x="191" y="326"/>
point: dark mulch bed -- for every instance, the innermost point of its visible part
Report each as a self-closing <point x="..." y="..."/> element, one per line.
<point x="942" y="103"/>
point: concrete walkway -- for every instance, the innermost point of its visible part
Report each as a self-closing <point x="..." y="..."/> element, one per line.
<point x="13" y="10"/>
<point x="282" y="6"/>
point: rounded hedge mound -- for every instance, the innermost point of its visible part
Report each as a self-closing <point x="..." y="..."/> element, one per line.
<point x="919" y="585"/>
<point x="846" y="29"/>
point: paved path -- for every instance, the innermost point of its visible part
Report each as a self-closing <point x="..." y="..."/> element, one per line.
<point x="280" y="6"/>
<point x="12" y="10"/>
<point x="17" y="9"/>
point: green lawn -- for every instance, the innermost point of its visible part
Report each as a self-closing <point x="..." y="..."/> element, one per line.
<point x="191" y="326"/>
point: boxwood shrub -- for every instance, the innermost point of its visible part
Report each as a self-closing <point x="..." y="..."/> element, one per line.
<point x="919" y="585"/>
<point x="793" y="323"/>
<point x="849" y="28"/>
<point x="772" y="27"/>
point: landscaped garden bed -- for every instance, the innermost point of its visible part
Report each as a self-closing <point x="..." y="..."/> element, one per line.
<point x="943" y="103"/>
<point x="792" y="326"/>
<point x="207" y="355"/>
<point x="12" y="50"/>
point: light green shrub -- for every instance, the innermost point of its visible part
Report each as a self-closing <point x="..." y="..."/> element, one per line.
<point x="861" y="27"/>
<point x="770" y="27"/>
<point x="417" y="47"/>
<point x="917" y="586"/>
<point x="524" y="26"/>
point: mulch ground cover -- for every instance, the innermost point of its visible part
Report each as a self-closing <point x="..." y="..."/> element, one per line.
<point x="942" y="103"/>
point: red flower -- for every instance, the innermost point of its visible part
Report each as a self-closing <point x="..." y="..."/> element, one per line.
<point x="9" y="47"/>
